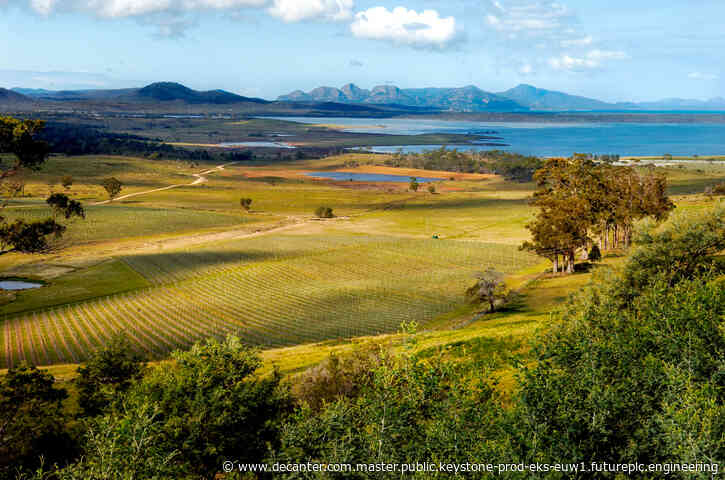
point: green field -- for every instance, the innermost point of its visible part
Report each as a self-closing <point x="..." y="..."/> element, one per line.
<point x="172" y="267"/>
<point x="273" y="291"/>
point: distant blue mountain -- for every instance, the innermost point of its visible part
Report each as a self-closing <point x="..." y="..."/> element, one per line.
<point x="465" y="99"/>
<point x="472" y="99"/>
<point x="155" y="92"/>
<point x="522" y="98"/>
<point x="543" y="100"/>
<point x="13" y="97"/>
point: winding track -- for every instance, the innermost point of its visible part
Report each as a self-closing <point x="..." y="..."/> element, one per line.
<point x="200" y="178"/>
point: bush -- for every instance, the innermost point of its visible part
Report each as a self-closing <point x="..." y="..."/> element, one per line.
<point x="339" y="376"/>
<point x="718" y="189"/>
<point x="594" y="254"/>
<point x="633" y="370"/>
<point x="32" y="422"/>
<point x="66" y="181"/>
<point x="107" y="374"/>
<point x="212" y="405"/>
<point x="324" y="212"/>
<point x="407" y="411"/>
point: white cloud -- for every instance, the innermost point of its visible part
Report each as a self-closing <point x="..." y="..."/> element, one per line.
<point x="591" y="60"/>
<point x="530" y="18"/>
<point x="526" y="69"/>
<point x="599" y="55"/>
<point x="407" y="27"/>
<point x="702" y="76"/>
<point x="173" y="17"/>
<point x="134" y="8"/>
<point x="577" y="42"/>
<point x="298" y="10"/>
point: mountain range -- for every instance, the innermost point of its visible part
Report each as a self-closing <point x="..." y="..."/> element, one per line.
<point x="472" y="99"/>
<point x="155" y="92"/>
<point x="350" y="99"/>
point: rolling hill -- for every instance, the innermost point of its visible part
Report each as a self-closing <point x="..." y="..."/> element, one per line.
<point x="349" y="100"/>
<point x="155" y="92"/>
<point x="465" y="99"/>
<point x="11" y="97"/>
<point x="540" y="99"/>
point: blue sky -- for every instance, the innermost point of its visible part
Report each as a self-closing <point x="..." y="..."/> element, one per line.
<point x="615" y="50"/>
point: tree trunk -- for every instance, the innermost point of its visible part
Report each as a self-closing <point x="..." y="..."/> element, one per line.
<point x="615" y="240"/>
<point x="556" y="263"/>
<point x="570" y="262"/>
<point x="491" y="303"/>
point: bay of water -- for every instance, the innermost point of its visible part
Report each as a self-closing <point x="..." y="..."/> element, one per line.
<point x="550" y="139"/>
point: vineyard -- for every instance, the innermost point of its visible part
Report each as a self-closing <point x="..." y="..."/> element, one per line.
<point x="271" y="290"/>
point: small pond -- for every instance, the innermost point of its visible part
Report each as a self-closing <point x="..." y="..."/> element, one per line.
<point x="18" y="285"/>
<point x="370" y="177"/>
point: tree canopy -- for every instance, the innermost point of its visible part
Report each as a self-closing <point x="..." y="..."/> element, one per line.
<point x="20" y="138"/>
<point x="580" y="200"/>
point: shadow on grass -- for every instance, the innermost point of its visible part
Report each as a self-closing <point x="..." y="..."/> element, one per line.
<point x="189" y="262"/>
<point x="452" y="204"/>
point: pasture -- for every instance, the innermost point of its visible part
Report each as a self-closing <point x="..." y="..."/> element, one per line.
<point x="171" y="267"/>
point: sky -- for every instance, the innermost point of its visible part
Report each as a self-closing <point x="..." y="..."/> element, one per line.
<point x="618" y="50"/>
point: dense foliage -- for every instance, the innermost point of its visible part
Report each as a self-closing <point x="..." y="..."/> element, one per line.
<point x="511" y="166"/>
<point x="72" y="139"/>
<point x="20" y="138"/>
<point x="324" y="212"/>
<point x="578" y="200"/>
<point x="630" y="371"/>
<point x="32" y="420"/>
<point x="633" y="372"/>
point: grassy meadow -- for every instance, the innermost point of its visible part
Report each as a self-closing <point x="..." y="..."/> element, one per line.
<point x="171" y="267"/>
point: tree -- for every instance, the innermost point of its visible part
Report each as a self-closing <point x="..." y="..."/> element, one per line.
<point x="65" y="207"/>
<point x="32" y="422"/>
<point x="107" y="374"/>
<point x="594" y="254"/>
<point x="431" y="188"/>
<point x="19" y="138"/>
<point x="245" y="203"/>
<point x="124" y="444"/>
<point x="324" y="212"/>
<point x="685" y="249"/>
<point x="24" y="237"/>
<point x="579" y="200"/>
<point x="632" y="371"/>
<point x="407" y="410"/>
<point x="113" y="186"/>
<point x="66" y="181"/>
<point x="489" y="288"/>
<point x="413" y="185"/>
<point x="213" y="405"/>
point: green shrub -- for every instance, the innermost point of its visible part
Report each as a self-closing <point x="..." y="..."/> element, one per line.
<point x="324" y="212"/>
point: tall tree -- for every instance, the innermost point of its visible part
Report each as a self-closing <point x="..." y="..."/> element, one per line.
<point x="32" y="422"/>
<point x="19" y="139"/>
<point x="579" y="199"/>
<point x="112" y="186"/>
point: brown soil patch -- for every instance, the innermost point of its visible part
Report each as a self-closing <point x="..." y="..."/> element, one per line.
<point x="416" y="172"/>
